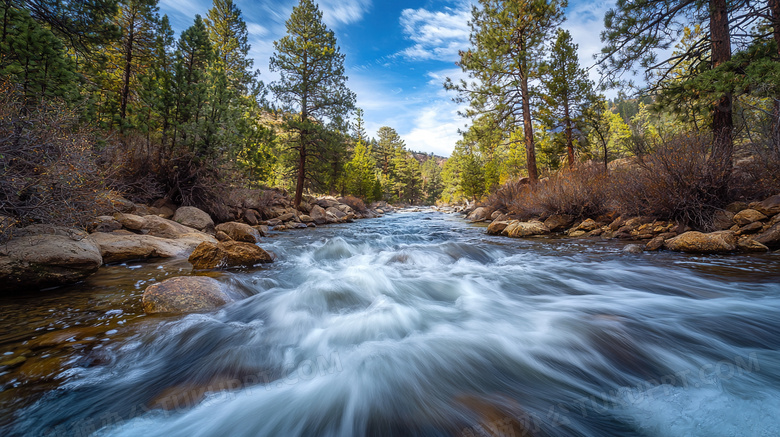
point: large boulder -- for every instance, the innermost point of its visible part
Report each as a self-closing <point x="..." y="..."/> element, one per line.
<point x="318" y="215"/>
<point x="558" y="222"/>
<point x="153" y="225"/>
<point x="228" y="254"/>
<point x="185" y="295"/>
<point x="748" y="216"/>
<point x="240" y="232"/>
<point x="334" y="215"/>
<point x="520" y="229"/>
<point x="115" y="247"/>
<point x="193" y="218"/>
<point x="748" y="244"/>
<point x="497" y="227"/>
<point x="588" y="225"/>
<point x="40" y="261"/>
<point x="770" y="206"/>
<point x="770" y="237"/>
<point x="697" y="242"/>
<point x="478" y="215"/>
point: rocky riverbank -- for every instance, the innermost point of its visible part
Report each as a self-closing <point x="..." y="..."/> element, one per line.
<point x="740" y="227"/>
<point x="43" y="256"/>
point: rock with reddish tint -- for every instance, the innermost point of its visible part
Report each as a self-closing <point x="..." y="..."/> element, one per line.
<point x="770" y="237"/>
<point x="240" y="232"/>
<point x="748" y="244"/>
<point x="697" y="242"/>
<point x="558" y="222"/>
<point x="520" y="229"/>
<point x="770" y="206"/>
<point x="116" y="247"/>
<point x="228" y="254"/>
<point x="187" y="294"/>
<point x="478" y="215"/>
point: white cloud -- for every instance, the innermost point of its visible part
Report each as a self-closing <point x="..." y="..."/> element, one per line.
<point x="338" y="12"/>
<point x="438" y="35"/>
<point x="435" y="129"/>
<point x="256" y="30"/>
<point x="585" y="23"/>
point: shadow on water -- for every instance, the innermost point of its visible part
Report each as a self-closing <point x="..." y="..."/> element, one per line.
<point x="413" y="324"/>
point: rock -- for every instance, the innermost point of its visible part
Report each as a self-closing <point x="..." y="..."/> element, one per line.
<point x="117" y="247"/>
<point x="184" y="295"/>
<point x="121" y="204"/>
<point x="632" y="248"/>
<point x="318" y="215"/>
<point x="617" y="223"/>
<point x="130" y="221"/>
<point x="497" y="227"/>
<point x="334" y="215"/>
<point x="478" y="215"/>
<point x="736" y="207"/>
<point x="748" y="244"/>
<point x="286" y="217"/>
<point x="193" y="218"/>
<point x="697" y="242"/>
<point x="262" y="229"/>
<point x="748" y="216"/>
<point x="770" y="206"/>
<point x="221" y="236"/>
<point x="104" y="223"/>
<point x="559" y="222"/>
<point x="40" y="261"/>
<point x="251" y="217"/>
<point x="654" y="244"/>
<point x="327" y="202"/>
<point x="750" y="228"/>
<point x="495" y="215"/>
<point x="153" y="225"/>
<point x="577" y="234"/>
<point x="228" y="254"/>
<point x="520" y="229"/>
<point x="722" y="220"/>
<point x="240" y="232"/>
<point x="588" y="225"/>
<point x="770" y="237"/>
<point x="306" y="219"/>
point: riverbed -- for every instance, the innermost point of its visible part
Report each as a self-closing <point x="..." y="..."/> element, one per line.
<point x="414" y="324"/>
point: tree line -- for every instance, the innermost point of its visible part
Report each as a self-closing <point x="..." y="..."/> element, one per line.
<point x="534" y="110"/>
<point x="181" y="118"/>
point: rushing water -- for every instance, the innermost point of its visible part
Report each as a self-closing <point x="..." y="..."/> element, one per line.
<point x="413" y="324"/>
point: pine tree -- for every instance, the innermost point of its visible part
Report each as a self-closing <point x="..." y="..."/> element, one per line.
<point x="568" y="91"/>
<point x="504" y="60"/>
<point x="229" y="40"/>
<point x="432" y="180"/>
<point x="312" y="84"/>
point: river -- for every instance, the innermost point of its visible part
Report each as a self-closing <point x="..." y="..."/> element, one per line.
<point x="414" y="324"/>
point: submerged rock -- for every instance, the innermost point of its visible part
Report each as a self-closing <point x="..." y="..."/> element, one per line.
<point x="697" y="242"/>
<point x="32" y="262"/>
<point x="228" y="254"/>
<point x="632" y="249"/>
<point x="185" y="294"/>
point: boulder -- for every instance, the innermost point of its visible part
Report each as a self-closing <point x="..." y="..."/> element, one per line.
<point x="525" y="229"/>
<point x="40" y="261"/>
<point x="750" y="228"/>
<point x="558" y="222"/>
<point x="736" y="207"/>
<point x="478" y="215"/>
<point x="748" y="244"/>
<point x="286" y="217"/>
<point x="327" y="202"/>
<point x="221" y="236"/>
<point x="228" y="254"/>
<point x="632" y="249"/>
<point x="655" y="244"/>
<point x="318" y="215"/>
<point x="185" y="295"/>
<point x="334" y="215"/>
<point x="748" y="216"/>
<point x="153" y="225"/>
<point x="497" y="227"/>
<point x="306" y="219"/>
<point x="104" y="223"/>
<point x="116" y="247"/>
<point x="770" y="206"/>
<point x="193" y="218"/>
<point x="251" y="217"/>
<point x="723" y="220"/>
<point x="588" y="225"/>
<point x="697" y="242"/>
<point x="770" y="237"/>
<point x="495" y="215"/>
<point x="240" y="232"/>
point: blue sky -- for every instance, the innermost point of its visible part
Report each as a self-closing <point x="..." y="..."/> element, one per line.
<point x="397" y="54"/>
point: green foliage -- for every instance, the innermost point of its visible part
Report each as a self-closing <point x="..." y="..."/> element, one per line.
<point x="313" y="86"/>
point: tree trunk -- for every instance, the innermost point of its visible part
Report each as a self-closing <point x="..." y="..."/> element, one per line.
<point x="569" y="140"/>
<point x="126" y="73"/>
<point x="722" y="121"/>
<point x="528" y="130"/>
<point x="301" y="174"/>
<point x="774" y="9"/>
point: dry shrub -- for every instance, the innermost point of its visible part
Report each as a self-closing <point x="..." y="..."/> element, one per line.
<point x="355" y="203"/>
<point x="50" y="170"/>
<point x="682" y="179"/>
<point x="757" y="176"/>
